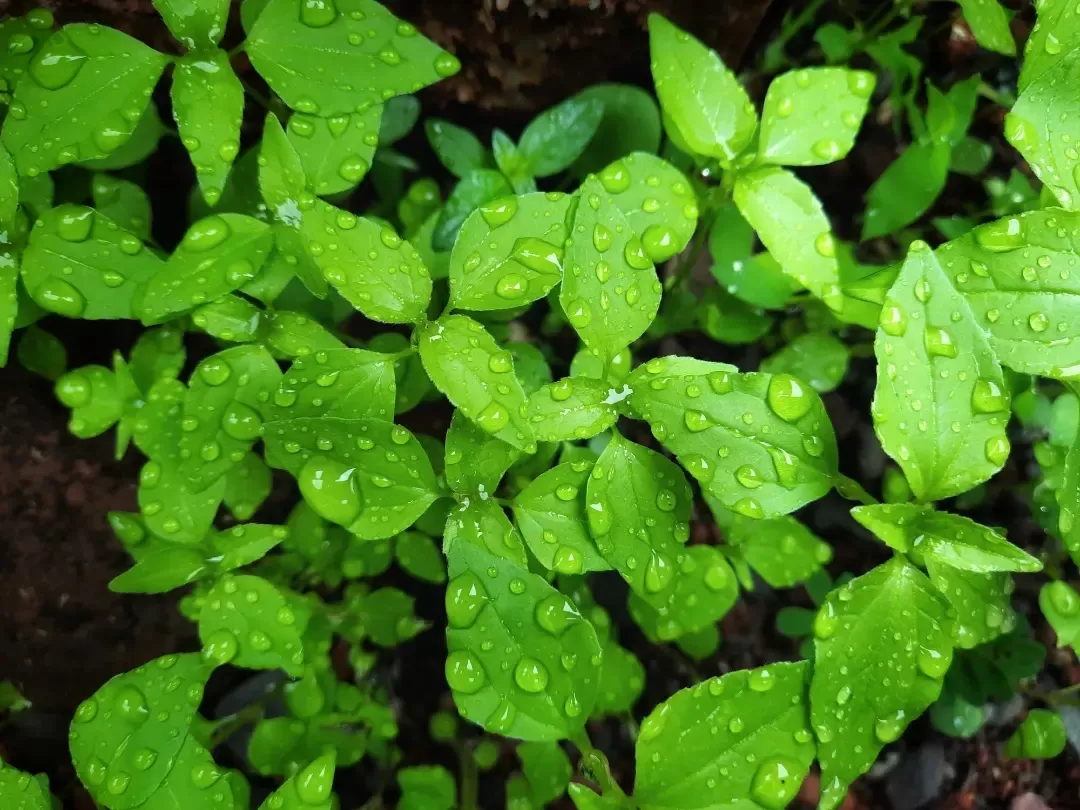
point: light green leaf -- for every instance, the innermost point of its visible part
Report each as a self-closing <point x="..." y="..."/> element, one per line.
<point x="950" y="539"/>
<point x="551" y="514"/>
<point x="761" y="444"/>
<point x="294" y="334"/>
<point x="708" y="107"/>
<point x="20" y="37"/>
<point x="124" y="202"/>
<point x="131" y="729"/>
<point x="142" y="143"/>
<point x="638" y="510"/>
<point x="817" y="358"/>
<point x="231" y="318"/>
<point x="585" y="363"/>
<point x="80" y="264"/>
<point x="222" y="411"/>
<point x="631" y="123"/>
<point x="467" y="365"/>
<point x="534" y="628"/>
<point x="980" y="601"/>
<point x="509" y="252"/>
<point x="247" y="485"/>
<point x="20" y="791"/>
<point x="173" y="511"/>
<point x="1060" y="604"/>
<point x="574" y="408"/>
<point x="622" y="679"/>
<point x="9" y="190"/>
<point x="281" y="174"/>
<point x="512" y="162"/>
<point x="368" y="475"/>
<point x="333" y="58"/>
<point x="9" y="298"/>
<point x="388" y="618"/>
<point x="557" y="137"/>
<point x="459" y="150"/>
<point x="194" y="767"/>
<point x="738" y="740"/>
<point x="42" y="353"/>
<point x="882" y="649"/>
<point x="350" y="383"/>
<point x="336" y="152"/>
<point x="585" y="799"/>
<point x="547" y="769"/>
<point x="476" y="188"/>
<point x="158" y="353"/>
<point x="790" y="223"/>
<point x="907" y="188"/>
<point x="989" y="23"/>
<point x="475" y="460"/>
<point x="420" y="557"/>
<point x="941" y="404"/>
<point x="610" y="292"/>
<point x="483" y="523"/>
<point x="208" y="105"/>
<point x="217" y="255"/>
<point x="94" y="397"/>
<point x="826" y="104"/>
<point x="89" y="86"/>
<point x="970" y="156"/>
<point x="1050" y="41"/>
<point x="704" y="591"/>
<point x="781" y="550"/>
<point x="196" y="23"/>
<point x="310" y="789"/>
<point x="162" y="570"/>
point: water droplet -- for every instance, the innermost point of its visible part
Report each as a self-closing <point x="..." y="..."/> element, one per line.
<point x="827" y="149"/>
<point x="447" y="64"/>
<point x="317" y="13"/>
<point x="1001" y="235"/>
<point x="537" y="255"/>
<point x="554" y="614"/>
<point x="57" y="295"/>
<point x="666" y="500"/>
<point x="735" y="725"/>
<point x="659" y="572"/>
<point x="511" y="286"/>
<point x="615" y="178"/>
<point x="330" y="488"/>
<point x="75" y="223"/>
<point x="602" y="237"/>
<point x="748" y="507"/>
<point x="130" y="704"/>
<point x="1038" y="321"/>
<point x="788" y="397"/>
<point x="58" y="62"/>
<point x="893" y="320"/>
<point x="988" y="397"/>
<point x="861" y="83"/>
<point x="530" y="675"/>
<point x="825" y="622"/>
<point x="889" y="729"/>
<point x="313" y="784"/>
<point x="493" y="418"/>
<point x="696" y="421"/>
<point x="934" y="663"/>
<point x="241" y="422"/>
<point x="748" y="476"/>
<point x="464" y="673"/>
<point x="653" y="725"/>
<point x="939" y="342"/>
<point x="761" y="680"/>
<point x="721" y="382"/>
<point x="776" y="782"/>
<point x="145" y="758"/>
<point x="634" y="254"/>
<point x="717" y="578"/>
<point x="659" y="243"/>
<point x="465" y="598"/>
<point x="499" y="212"/>
<point x="579" y="314"/>
<point x="206" y="234"/>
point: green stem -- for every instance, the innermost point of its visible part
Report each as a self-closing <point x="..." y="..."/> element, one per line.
<point x="597" y="763"/>
<point x="255" y="94"/>
<point x="470" y="778"/>
<point x="237" y="50"/>
<point x="1005" y="100"/>
<point x="852" y="490"/>
<point x="228" y="726"/>
<point x="797" y="25"/>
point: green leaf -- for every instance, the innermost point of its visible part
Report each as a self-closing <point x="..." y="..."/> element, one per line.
<point x="906" y="189"/>
<point x="740" y="740"/>
<point x="760" y="444"/>
<point x="610" y="292"/>
<point x="551" y="514"/>
<point x="247" y="485"/>
<point x="9" y="190"/>
<point x="89" y="85"/>
<point x="954" y="715"/>
<point x="483" y="523"/>
<point x="512" y="162"/>
<point x="781" y="550"/>
<point x="534" y="629"/>
<point x="420" y="557"/>
<point x="980" y="602"/>
<point x="989" y="22"/>
<point x="399" y="117"/>
<point x="230" y="318"/>
<point x="950" y="539"/>
<point x="281" y="174"/>
<point x="124" y="202"/>
<point x="467" y="365"/>
<point x="817" y="358"/>
<point x="708" y="107"/>
<point x="1042" y="735"/>
<point x="368" y="475"/>
<point x="1060" y="604"/>
<point x="195" y="767"/>
<point x="80" y="264"/>
<point x="426" y="787"/>
<point x="157" y="354"/>
<point x="173" y="511"/>
<point x="547" y="769"/>
<point x="585" y="799"/>
<point x="20" y="37"/>
<point x="350" y="383"/>
<point x="574" y="408"/>
<point x="387" y="617"/>
<point x="828" y="104"/>
<point x="638" y="510"/>
<point x="130" y="731"/>
<point x="475" y="460"/>
<point x="476" y="188"/>
<point x="657" y="200"/>
<point x="509" y="252"/>
<point x="1050" y="41"/>
<point x="531" y="366"/>
<point x="941" y="405"/>
<point x="336" y="152"/>
<point x="143" y="142"/>
<point x="310" y="789"/>
<point x="162" y="570"/>
<point x="294" y="334"/>
<point x="790" y="223"/>
<point x="726" y="319"/>
<point x="217" y="255"/>
<point x="622" y="679"/>
<point x="94" y="398"/>
<point x="631" y="123"/>
<point x="704" y="591"/>
<point x="208" y="105"/>
<point x="42" y="353"/>
<point x="557" y="137"/>
<point x="459" y="150"/>
<point x="20" y="791"/>
<point x="882" y="649"/>
<point x="196" y="23"/>
<point x="334" y="58"/>
<point x="221" y="411"/>
<point x="970" y="156"/>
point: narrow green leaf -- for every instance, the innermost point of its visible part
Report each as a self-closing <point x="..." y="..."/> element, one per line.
<point x="906" y="189"/>
<point x="557" y="137"/>
<point x="9" y="298"/>
<point x="294" y="334"/>
<point x="247" y="485"/>
<point x="162" y="570"/>
<point x="817" y="358"/>
<point x="336" y="152"/>
<point x="124" y="202"/>
<point x="574" y="408"/>
<point x="481" y="522"/>
<point x="350" y="383"/>
<point x="459" y="150"/>
<point x="9" y="190"/>
<point x="475" y="460"/>
<point x="282" y="179"/>
<point x="989" y="23"/>
<point x="631" y="123"/>
<point x="198" y="24"/>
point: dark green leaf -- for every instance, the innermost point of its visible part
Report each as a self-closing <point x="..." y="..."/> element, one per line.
<point x="196" y="23"/>
<point x="247" y="485"/>
<point x="476" y="188"/>
<point x="547" y="768"/>
<point x="426" y="787"/>
<point x="631" y="123"/>
<point x="42" y="353"/>
<point x="817" y="358"/>
<point x="906" y="189"/>
<point x="124" y="202"/>
<point x="420" y="557"/>
<point x="475" y="460"/>
<point x="558" y="136"/>
<point x="459" y="150"/>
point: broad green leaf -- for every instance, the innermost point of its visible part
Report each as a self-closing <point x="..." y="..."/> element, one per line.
<point x="88" y="86"/>
<point x="610" y="292"/>
<point x="399" y="117"/>
<point x="20" y="37"/>
<point x="817" y="358"/>
<point x="372" y="267"/>
<point x="158" y="353"/>
<point x="142" y="143"/>
<point x="282" y="745"/>
<point x="812" y="115"/>
<point x="980" y="601"/>
<point x="1042" y="735"/>
<point x="42" y="353"/>
<point x="80" y="264"/>
<point x="557" y="137"/>
<point x="333" y="58"/>
<point x="294" y="334"/>
<point x="94" y="397"/>
<point x="420" y="557"/>
<point x="173" y="511"/>
<point x="726" y="319"/>
<point x="387" y="617"/>
<point x="954" y="715"/>
<point x="483" y="523"/>
<point x="509" y="252"/>
<point x="162" y="570"/>
<point x="738" y="740"/>
<point x="193" y="770"/>
<point x="585" y="363"/>
<point x="247" y="485"/>
<point x="231" y="318"/>
<point x="196" y="23"/>
<point x="264" y="632"/>
<point x="989" y="22"/>
<point x="9" y="190"/>
<point x="208" y="105"/>
<point x="705" y="590"/>
<point x="781" y="550"/>
<point x="547" y="769"/>
<point x="1060" y="604"/>
<point x="622" y="679"/>
<point x="499" y="613"/>
<point x="273" y="278"/>
<point x="156" y="428"/>
<point x="574" y="408"/>
<point x="531" y="366"/>
<point x="310" y="789"/>
<point x="551" y="514"/>
<point x="906" y="189"/>
<point x="950" y="539"/>
<point x="761" y="444"/>
<point x="350" y="383"/>
<point x="475" y="188"/>
<point x="368" y="475"/>
<point x="467" y="365"/>
<point x="336" y="152"/>
<point x="1051" y="40"/>
<point x="9" y="298"/>
<point x="130" y="731"/>
<point x="657" y="200"/>
<point x="20" y="791"/>
<point x="631" y="123"/>
<point x="222" y="411"/>
<point x="475" y="460"/>
<point x="585" y="799"/>
<point x="941" y="405"/>
<point x="217" y="255"/>
<point x="708" y="107"/>
<point x="459" y="150"/>
<point x="790" y="223"/>
<point x="426" y="787"/>
<point x="638" y="510"/>
<point x="882" y="648"/>
<point x="124" y="202"/>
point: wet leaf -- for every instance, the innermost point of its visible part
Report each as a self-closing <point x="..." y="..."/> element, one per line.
<point x="907" y="188"/>
<point x="817" y="358"/>
<point x="420" y="557"/>
<point x="94" y="397"/>
<point x="1058" y="24"/>
<point x="143" y="141"/>
<point x="574" y="408"/>
<point x="980" y="602"/>
<point x="631" y="123"/>
<point x="173" y="511"/>
<point x="557" y="137"/>
<point x="483" y="523"/>
<point x="426" y="787"/>
<point x="726" y="319"/>
<point x="231" y="318"/>
<point x="459" y="150"/>
<point x="475" y="460"/>
<point x="782" y="551"/>
<point x="387" y="617"/>
<point x="336" y="152"/>
<point x="29" y="32"/>
<point x="23" y="791"/>
<point x="310" y="789"/>
<point x="622" y="679"/>
<point x="547" y="769"/>
<point x="475" y="188"/>
<point x="196" y="23"/>
<point x="162" y="570"/>
<point x="349" y="383"/>
<point x="124" y="202"/>
<point x="9" y="190"/>
<point x="158" y="353"/>
<point x="42" y="353"/>
<point x="705" y="590"/>
<point x="989" y="22"/>
<point x="247" y="485"/>
<point x="1042" y="735"/>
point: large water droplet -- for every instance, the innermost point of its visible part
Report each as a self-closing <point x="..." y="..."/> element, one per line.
<point x="58" y="62"/>
<point x="615" y="177"/>
<point x="499" y="212"/>
<point x="1064" y="599"/>
<point x="893" y="320"/>
<point x="493" y="418"/>
<point x="776" y="782"/>
<point x="206" y="234"/>
<point x="659" y="243"/>
<point x="658" y="572"/>
<point x="934" y="663"/>
<point x="511" y="286"/>
<point x="57" y="295"/>
<point x="130" y="704"/>
<point x="313" y="784"/>
<point x="888" y="729"/>
<point x="555" y="613"/>
<point x="317" y="13"/>
<point x="330" y="488"/>
<point x="537" y="255"/>
<point x="568" y="560"/>
<point x="530" y="675"/>
<point x="788" y="397"/>
<point x="1001" y="235"/>
<point x="75" y="223"/>
<point x="988" y="397"/>
<point x="939" y="342"/>
<point x="465" y="598"/>
<point x="241" y="422"/>
<point x="464" y="673"/>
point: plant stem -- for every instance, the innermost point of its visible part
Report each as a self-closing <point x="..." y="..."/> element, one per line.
<point x="255" y="94"/>
<point x="235" y="51"/>
<point x="228" y="726"/>
<point x="597" y="763"/>
<point x="469" y="778"/>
